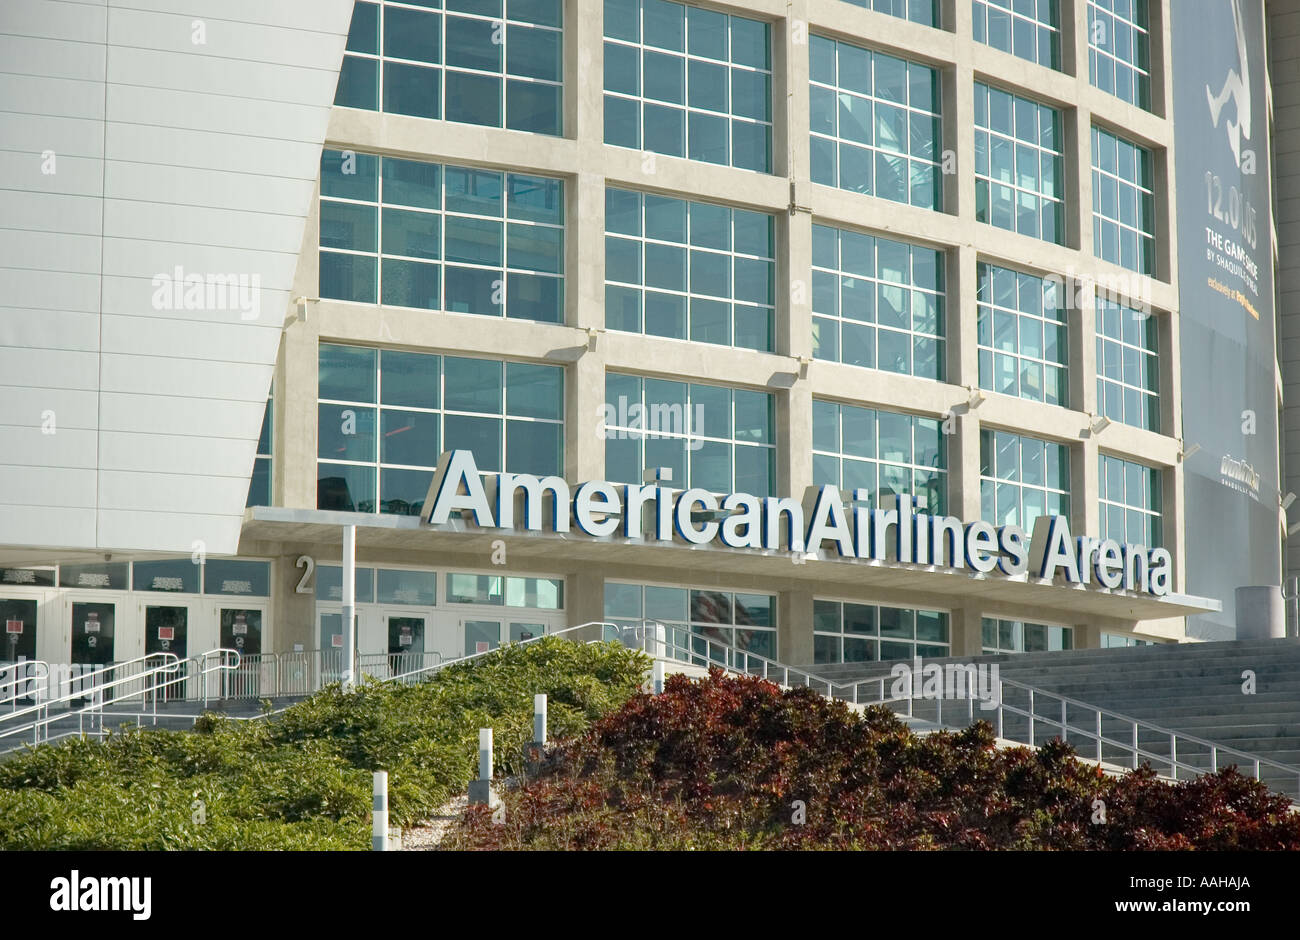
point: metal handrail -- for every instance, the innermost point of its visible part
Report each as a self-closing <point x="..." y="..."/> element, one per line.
<point x="164" y="672"/>
<point x="413" y="675"/>
<point x="23" y="680"/>
<point x="1136" y="725"/>
<point x="691" y="654"/>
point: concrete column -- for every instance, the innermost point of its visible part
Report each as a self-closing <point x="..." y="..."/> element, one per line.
<point x="964" y="625"/>
<point x="585" y="393"/>
<point x="1260" y="614"/>
<point x="957" y="85"/>
<point x="297" y="380"/>
<point x="1077" y="126"/>
<point x="1086" y="636"/>
<point x="1085" y="508"/>
<point x="962" y="428"/>
<point x="586" y="602"/>
<point x="1081" y="317"/>
<point x="1074" y="37"/>
<point x="294" y="614"/>
<point x="795" y="627"/>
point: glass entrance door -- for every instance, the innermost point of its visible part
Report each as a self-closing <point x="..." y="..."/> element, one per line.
<point x="483" y="635"/>
<point x="93" y="628"/>
<point x="19" y="638"/>
<point x="406" y="643"/>
<point x="241" y="629"/>
<point x="166" y="630"/>
<point x="480" y="636"/>
<point x="329" y="636"/>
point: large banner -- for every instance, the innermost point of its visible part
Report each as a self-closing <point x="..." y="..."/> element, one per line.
<point x="1225" y="274"/>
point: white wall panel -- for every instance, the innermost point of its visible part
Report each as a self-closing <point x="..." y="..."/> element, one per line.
<point x="25" y="328"/>
<point x="28" y="447"/>
<point x="170" y="153"/>
<point x="72" y="409"/>
<point x="56" y="486"/>
<point x="33" y="525"/>
<point x="205" y="150"/>
<point x="151" y="68"/>
<point x="189" y="186"/>
<point x="168" y="531"/>
<point x="202" y="457"/>
<point x="208" y="418"/>
<point x="262" y="231"/>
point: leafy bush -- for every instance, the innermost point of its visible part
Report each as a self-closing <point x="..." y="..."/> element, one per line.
<point x="733" y="763"/>
<point x="303" y="779"/>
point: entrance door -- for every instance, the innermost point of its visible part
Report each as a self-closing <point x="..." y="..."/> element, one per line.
<point x="329" y="634"/>
<point x="19" y="638"/>
<point x="480" y="636"/>
<point x="166" y="630"/>
<point x="241" y="629"/>
<point x="406" y="633"/>
<point x="94" y="627"/>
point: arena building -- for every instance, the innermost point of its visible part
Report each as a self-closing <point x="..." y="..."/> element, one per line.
<point x="833" y="330"/>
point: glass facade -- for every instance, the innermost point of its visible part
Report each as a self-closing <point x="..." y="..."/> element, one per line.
<point x="689" y="270"/>
<point x="1123" y="203"/>
<point x="1131" y="502"/>
<point x="1023" y="338"/>
<point x="1119" y="640"/>
<point x="882" y="452"/>
<point x="499" y="63"/>
<point x="498" y="591"/>
<point x="878" y="303"/>
<point x="259" y="485"/>
<point x="925" y="12"/>
<point x="1128" y="375"/>
<point x="1019" y="169"/>
<point x="710" y="436"/>
<point x="845" y="632"/>
<point x="1030" y="29"/>
<point x="693" y="617"/>
<point x="688" y="82"/>
<point x="1119" y="49"/>
<point x="410" y="234"/>
<point x="1015" y="636"/>
<point x="875" y="123"/>
<point x="1022" y="478"/>
<point x="385" y="416"/>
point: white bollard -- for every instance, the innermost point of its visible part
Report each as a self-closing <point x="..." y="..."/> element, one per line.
<point x="539" y="719"/>
<point x="485" y="753"/>
<point x="480" y="790"/>
<point x="379" y="825"/>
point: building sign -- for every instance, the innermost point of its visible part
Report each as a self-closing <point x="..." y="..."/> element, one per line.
<point x="892" y="533"/>
<point x="1226" y="298"/>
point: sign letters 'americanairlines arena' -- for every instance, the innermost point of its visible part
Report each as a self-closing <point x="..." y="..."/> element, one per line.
<point x="895" y="532"/>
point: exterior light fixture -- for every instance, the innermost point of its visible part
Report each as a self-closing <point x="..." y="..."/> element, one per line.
<point x="301" y="303"/>
<point x="1100" y="425"/>
<point x="1189" y="451"/>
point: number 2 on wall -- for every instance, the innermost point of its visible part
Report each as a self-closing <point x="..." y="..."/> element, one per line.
<point x="305" y="561"/>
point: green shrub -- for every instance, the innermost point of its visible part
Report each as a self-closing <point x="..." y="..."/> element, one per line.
<point x="303" y="779"/>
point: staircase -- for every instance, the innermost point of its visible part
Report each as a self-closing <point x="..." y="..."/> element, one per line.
<point x="1194" y="689"/>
